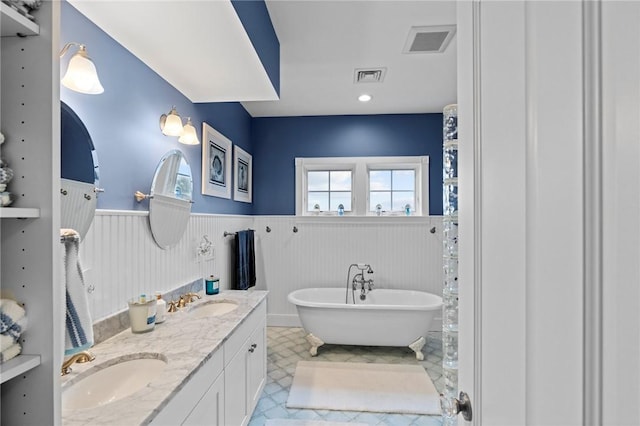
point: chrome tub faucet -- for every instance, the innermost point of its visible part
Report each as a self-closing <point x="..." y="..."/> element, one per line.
<point x="359" y="280"/>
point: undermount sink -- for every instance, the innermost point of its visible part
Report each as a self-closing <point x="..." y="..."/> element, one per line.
<point x="213" y="308"/>
<point x="112" y="381"/>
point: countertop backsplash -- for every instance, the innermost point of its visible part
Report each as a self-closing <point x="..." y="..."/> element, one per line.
<point x="108" y="327"/>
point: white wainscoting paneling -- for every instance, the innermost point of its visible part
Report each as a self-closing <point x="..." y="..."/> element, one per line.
<point x="404" y="254"/>
<point x="122" y="261"/>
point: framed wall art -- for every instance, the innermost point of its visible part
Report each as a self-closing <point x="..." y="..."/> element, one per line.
<point x="242" y="175"/>
<point x="216" y="163"/>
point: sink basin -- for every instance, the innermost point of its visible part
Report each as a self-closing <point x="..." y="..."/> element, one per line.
<point x="105" y="384"/>
<point x="213" y="308"/>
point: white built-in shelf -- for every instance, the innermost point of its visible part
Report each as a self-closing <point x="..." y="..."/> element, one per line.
<point x="18" y="212"/>
<point x="18" y="365"/>
<point x="13" y="23"/>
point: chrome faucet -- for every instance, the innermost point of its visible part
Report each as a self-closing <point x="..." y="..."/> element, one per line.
<point x="359" y="280"/>
<point x="80" y="357"/>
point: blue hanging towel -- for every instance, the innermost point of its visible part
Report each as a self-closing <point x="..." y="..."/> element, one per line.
<point x="245" y="260"/>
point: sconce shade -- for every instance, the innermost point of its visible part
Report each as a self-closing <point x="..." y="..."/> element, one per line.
<point x="171" y="123"/>
<point x="81" y="75"/>
<point x="189" y="135"/>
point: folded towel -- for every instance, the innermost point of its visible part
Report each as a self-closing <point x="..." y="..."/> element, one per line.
<point x="6" y="341"/>
<point x="11" y="352"/>
<point x="12" y="318"/>
<point x="78" y="324"/>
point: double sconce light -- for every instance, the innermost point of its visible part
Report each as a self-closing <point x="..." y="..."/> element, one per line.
<point x="171" y="125"/>
<point x="81" y="75"/>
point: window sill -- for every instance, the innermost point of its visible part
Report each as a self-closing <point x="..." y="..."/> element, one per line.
<point x="400" y="220"/>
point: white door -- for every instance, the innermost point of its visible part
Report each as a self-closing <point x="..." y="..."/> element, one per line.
<point x="521" y="178"/>
<point x="621" y="213"/>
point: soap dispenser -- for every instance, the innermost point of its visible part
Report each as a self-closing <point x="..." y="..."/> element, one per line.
<point x="162" y="308"/>
<point x="212" y="285"/>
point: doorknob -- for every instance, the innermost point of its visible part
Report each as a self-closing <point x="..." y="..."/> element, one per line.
<point x="454" y="406"/>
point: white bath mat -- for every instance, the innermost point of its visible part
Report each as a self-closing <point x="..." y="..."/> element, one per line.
<point x="349" y="386"/>
<point x="294" y="422"/>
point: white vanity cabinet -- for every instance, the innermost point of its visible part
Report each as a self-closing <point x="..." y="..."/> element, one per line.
<point x="227" y="387"/>
<point x="191" y="402"/>
<point x="210" y="409"/>
<point x="245" y="368"/>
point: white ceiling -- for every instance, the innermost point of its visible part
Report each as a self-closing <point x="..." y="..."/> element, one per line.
<point x="321" y="44"/>
<point x="199" y="46"/>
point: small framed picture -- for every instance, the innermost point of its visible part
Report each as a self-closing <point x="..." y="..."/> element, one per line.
<point x="242" y="175"/>
<point x="216" y="163"/>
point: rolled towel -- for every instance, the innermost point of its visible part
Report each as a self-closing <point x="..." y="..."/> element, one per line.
<point x="11" y="352"/>
<point x="12" y="318"/>
<point x="78" y="324"/>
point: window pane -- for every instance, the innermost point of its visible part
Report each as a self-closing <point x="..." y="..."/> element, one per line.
<point x="320" y="198"/>
<point x="340" y="180"/>
<point x="318" y="181"/>
<point x="379" y="180"/>
<point x="383" y="198"/>
<point x="401" y="199"/>
<point x="404" y="180"/>
<point x="343" y="198"/>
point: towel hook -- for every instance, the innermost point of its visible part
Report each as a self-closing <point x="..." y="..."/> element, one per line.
<point x="268" y="229"/>
<point x="295" y="229"/>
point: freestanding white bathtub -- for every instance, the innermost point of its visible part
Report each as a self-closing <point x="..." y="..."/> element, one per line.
<point x="385" y="318"/>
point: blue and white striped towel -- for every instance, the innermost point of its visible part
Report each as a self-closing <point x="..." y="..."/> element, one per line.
<point x="78" y="324"/>
<point x="13" y="320"/>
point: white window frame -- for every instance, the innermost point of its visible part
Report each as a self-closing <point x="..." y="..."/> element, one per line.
<point x="360" y="167"/>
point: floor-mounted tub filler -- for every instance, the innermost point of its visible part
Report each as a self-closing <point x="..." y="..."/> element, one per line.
<point x="386" y="317"/>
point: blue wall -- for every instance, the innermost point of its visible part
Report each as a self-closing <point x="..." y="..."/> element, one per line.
<point x="123" y="124"/>
<point x="277" y="141"/>
<point x="123" y="121"/>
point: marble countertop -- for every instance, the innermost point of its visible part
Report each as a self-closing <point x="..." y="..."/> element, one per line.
<point x="185" y="342"/>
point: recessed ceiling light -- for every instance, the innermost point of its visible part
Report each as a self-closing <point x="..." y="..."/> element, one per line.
<point x="364" y="98"/>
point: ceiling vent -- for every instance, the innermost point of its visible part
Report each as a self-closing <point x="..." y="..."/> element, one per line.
<point x="429" y="39"/>
<point x="369" y="75"/>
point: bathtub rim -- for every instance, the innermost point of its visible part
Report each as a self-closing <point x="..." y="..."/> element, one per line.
<point x="293" y="298"/>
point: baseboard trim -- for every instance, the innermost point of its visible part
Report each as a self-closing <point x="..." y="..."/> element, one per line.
<point x="279" y="320"/>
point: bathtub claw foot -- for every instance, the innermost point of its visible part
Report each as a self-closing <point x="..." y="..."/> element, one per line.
<point x="315" y="344"/>
<point x="417" y="348"/>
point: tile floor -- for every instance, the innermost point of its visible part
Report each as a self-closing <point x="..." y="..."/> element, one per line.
<point x="287" y="346"/>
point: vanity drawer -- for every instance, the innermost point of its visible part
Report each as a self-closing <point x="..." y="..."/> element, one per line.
<point x="243" y="331"/>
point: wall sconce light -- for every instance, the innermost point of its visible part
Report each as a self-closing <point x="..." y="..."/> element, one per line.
<point x="81" y="75"/>
<point x="171" y="125"/>
<point x="189" y="135"/>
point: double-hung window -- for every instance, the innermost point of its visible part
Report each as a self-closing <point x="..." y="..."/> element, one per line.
<point x="362" y="186"/>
